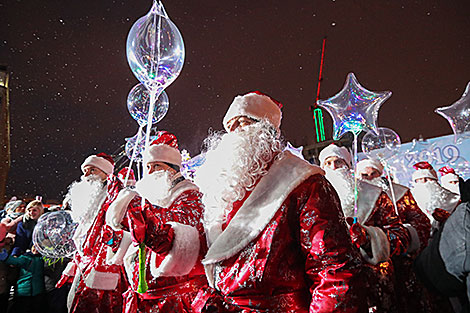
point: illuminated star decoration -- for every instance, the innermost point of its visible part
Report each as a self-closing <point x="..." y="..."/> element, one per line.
<point x="354" y="108"/>
<point x="458" y="115"/>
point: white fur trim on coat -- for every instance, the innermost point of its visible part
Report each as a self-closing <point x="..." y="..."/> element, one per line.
<point x="254" y="106"/>
<point x="118" y="208"/>
<point x="366" y="200"/>
<point x="70" y="269"/>
<point x="131" y="264"/>
<point x="162" y="153"/>
<point x="118" y="257"/>
<point x="398" y="190"/>
<point x="100" y="163"/>
<point x="380" y="246"/>
<point x="102" y="280"/>
<point x="183" y="254"/>
<point x="414" y="243"/>
<point x="176" y="191"/>
<point x="256" y="212"/>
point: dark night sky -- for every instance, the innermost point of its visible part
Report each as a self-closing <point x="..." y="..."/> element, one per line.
<point x="70" y="77"/>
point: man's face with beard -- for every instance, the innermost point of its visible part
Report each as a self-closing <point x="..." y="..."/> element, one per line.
<point x="91" y="170"/>
<point x="156" y="183"/>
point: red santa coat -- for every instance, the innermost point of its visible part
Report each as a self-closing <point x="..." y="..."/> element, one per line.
<point x="173" y="235"/>
<point x="388" y="236"/>
<point x="97" y="285"/>
<point x="286" y="249"/>
<point x="411" y="295"/>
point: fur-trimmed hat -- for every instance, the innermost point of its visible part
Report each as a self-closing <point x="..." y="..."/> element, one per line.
<point x="334" y="150"/>
<point x="374" y="163"/>
<point x="163" y="149"/>
<point x="423" y="170"/>
<point x="101" y="161"/>
<point x="255" y="105"/>
<point x="448" y="175"/>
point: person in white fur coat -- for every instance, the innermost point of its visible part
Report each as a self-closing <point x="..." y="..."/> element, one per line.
<point x="168" y="229"/>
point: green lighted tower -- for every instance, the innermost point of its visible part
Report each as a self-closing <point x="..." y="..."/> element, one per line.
<point x="316" y="111"/>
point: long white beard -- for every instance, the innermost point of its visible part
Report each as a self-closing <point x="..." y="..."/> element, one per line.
<point x="452" y="187"/>
<point x="86" y="197"/>
<point x="154" y="187"/>
<point x="343" y="182"/>
<point x="430" y="195"/>
<point x="234" y="163"/>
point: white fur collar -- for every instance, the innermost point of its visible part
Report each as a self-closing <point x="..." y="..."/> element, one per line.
<point x="176" y="191"/>
<point x="398" y="190"/>
<point x="367" y="197"/>
<point x="283" y="177"/>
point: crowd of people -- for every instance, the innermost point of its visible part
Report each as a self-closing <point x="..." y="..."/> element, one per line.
<point x="257" y="229"/>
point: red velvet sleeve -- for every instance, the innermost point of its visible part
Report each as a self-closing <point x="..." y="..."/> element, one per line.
<point x="332" y="263"/>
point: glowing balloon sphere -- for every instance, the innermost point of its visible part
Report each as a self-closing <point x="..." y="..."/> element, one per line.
<point x="53" y="235"/>
<point x="458" y="115"/>
<point x="136" y="142"/>
<point x="138" y="102"/>
<point x="354" y="108"/>
<point x="155" y="49"/>
<point x="381" y="145"/>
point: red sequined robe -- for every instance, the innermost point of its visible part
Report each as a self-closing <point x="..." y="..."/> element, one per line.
<point x="175" y="244"/>
<point x="411" y="294"/>
<point x="97" y="286"/>
<point x="285" y="248"/>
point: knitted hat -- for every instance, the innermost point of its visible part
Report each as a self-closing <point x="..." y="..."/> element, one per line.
<point x="101" y="161"/>
<point x="255" y="105"/>
<point x="423" y="170"/>
<point x="163" y="149"/>
<point x="334" y="150"/>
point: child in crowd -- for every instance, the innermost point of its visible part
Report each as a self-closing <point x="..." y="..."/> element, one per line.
<point x="29" y="289"/>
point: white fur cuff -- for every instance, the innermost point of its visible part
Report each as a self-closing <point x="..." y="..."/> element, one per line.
<point x="182" y="256"/>
<point x="70" y="269"/>
<point x="380" y="246"/>
<point x="102" y="280"/>
<point x="414" y="243"/>
<point x="118" y="208"/>
<point x="118" y="257"/>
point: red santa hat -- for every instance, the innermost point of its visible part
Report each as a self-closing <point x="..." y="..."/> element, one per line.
<point x="423" y="170"/>
<point x="101" y="161"/>
<point x="374" y="163"/>
<point x="163" y="149"/>
<point x="255" y="105"/>
<point x="122" y="176"/>
<point x="334" y="150"/>
<point x="448" y="175"/>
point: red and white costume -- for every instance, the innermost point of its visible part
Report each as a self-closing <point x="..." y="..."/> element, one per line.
<point x="430" y="195"/>
<point x="173" y="235"/>
<point x="283" y="248"/>
<point x="97" y="286"/>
